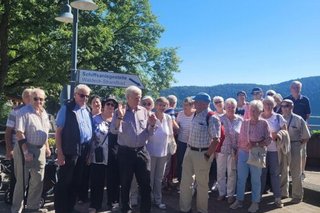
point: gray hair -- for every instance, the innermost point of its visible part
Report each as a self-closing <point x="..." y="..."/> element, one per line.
<point x="217" y="98"/>
<point x="36" y="91"/>
<point x="269" y="100"/>
<point x="231" y="101"/>
<point x="257" y="104"/>
<point x="296" y="83"/>
<point x="132" y="90"/>
<point x="162" y="100"/>
<point x="147" y="97"/>
<point x="82" y="87"/>
<point x="172" y="99"/>
<point x="26" y="92"/>
<point x="188" y="100"/>
<point x="278" y="96"/>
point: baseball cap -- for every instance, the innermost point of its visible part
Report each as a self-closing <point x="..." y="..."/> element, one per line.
<point x="202" y="96"/>
<point x="256" y="89"/>
<point x="242" y="93"/>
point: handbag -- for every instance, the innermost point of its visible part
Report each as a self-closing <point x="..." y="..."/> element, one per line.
<point x="172" y="145"/>
<point x="98" y="151"/>
<point x="257" y="155"/>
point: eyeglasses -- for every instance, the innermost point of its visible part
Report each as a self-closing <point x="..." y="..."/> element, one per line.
<point x="218" y="102"/>
<point x="285" y="106"/>
<point x="37" y="99"/>
<point x="110" y="104"/>
<point x="83" y="96"/>
<point x="146" y="104"/>
<point x="256" y="93"/>
<point x="270" y="94"/>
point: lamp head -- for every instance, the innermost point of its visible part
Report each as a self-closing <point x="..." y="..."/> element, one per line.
<point x="84" y="5"/>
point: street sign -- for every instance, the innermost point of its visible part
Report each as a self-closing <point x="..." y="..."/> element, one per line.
<point x="109" y="79"/>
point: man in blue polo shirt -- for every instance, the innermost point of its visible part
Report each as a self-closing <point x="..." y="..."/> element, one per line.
<point x="73" y="135"/>
<point x="302" y="108"/>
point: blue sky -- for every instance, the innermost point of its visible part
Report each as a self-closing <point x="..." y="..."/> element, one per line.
<point x="241" y="41"/>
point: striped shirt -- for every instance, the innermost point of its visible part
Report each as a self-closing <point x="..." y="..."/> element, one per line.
<point x="184" y="123"/>
<point x="201" y="134"/>
<point x="35" y="127"/>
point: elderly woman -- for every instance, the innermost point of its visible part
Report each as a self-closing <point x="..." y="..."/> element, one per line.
<point x="218" y="103"/>
<point x="276" y="123"/>
<point x="184" y="119"/>
<point x="147" y="102"/>
<point x="99" y="153"/>
<point x="158" y="149"/>
<point x="95" y="104"/>
<point x="278" y="99"/>
<point x="253" y="133"/>
<point x="226" y="162"/>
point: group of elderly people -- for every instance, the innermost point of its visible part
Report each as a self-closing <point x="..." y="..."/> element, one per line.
<point x="128" y="145"/>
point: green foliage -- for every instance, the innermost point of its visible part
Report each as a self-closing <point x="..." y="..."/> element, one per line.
<point x="315" y="133"/>
<point x="120" y="36"/>
<point x="5" y="109"/>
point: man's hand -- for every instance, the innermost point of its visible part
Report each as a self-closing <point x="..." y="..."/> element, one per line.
<point x="9" y="155"/>
<point x="121" y="110"/>
<point x="28" y="156"/>
<point x="61" y="159"/>
<point x="48" y="152"/>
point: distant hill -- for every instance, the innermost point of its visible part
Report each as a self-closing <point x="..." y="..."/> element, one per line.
<point x="310" y="88"/>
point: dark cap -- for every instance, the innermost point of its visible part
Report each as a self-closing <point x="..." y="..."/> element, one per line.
<point x="256" y="89"/>
<point x="242" y="93"/>
<point x="110" y="98"/>
<point x="202" y="96"/>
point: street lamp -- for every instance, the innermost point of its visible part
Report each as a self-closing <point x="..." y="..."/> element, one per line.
<point x="66" y="16"/>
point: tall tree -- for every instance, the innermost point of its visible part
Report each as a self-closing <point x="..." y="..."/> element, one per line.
<point x="121" y="36"/>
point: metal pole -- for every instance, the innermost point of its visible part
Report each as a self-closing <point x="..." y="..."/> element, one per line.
<point x="74" y="49"/>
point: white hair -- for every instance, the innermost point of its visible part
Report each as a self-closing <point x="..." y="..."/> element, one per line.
<point x="218" y="98"/>
<point x="269" y="100"/>
<point x="257" y="104"/>
<point x="27" y="92"/>
<point x="296" y="83"/>
<point x="132" y="90"/>
<point x="82" y="87"/>
<point x="231" y="101"/>
<point x="37" y="91"/>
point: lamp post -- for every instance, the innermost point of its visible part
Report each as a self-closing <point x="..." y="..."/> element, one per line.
<point x="67" y="16"/>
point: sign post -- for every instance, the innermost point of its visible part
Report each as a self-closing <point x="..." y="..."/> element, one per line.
<point x="110" y="79"/>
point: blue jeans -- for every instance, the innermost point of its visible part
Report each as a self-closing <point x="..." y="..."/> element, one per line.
<point x="243" y="172"/>
<point x="274" y="170"/>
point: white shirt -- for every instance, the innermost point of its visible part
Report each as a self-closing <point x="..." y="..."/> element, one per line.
<point x="275" y="122"/>
<point x="184" y="123"/>
<point x="158" y="143"/>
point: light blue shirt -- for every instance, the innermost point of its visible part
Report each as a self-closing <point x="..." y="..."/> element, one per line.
<point x="84" y="121"/>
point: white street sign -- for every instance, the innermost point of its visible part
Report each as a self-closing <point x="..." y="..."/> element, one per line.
<point x="109" y="79"/>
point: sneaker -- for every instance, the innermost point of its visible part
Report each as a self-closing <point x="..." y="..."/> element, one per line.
<point x="278" y="203"/>
<point x="254" y="207"/>
<point x="221" y="198"/>
<point x="215" y="186"/>
<point x="296" y="200"/>
<point x="231" y="199"/>
<point x="92" y="210"/>
<point x="237" y="204"/>
<point x="115" y="207"/>
<point x="162" y="206"/>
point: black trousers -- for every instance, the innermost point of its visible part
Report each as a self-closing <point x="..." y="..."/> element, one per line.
<point x="181" y="150"/>
<point x="135" y="162"/>
<point x="213" y="173"/>
<point x="113" y="177"/>
<point x="72" y="181"/>
<point x="97" y="182"/>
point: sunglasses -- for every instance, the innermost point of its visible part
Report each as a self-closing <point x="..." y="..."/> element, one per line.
<point x="270" y="94"/>
<point x="146" y="104"/>
<point x="83" y="96"/>
<point x="37" y="99"/>
<point x="110" y="104"/>
<point x="285" y="106"/>
<point x="218" y="102"/>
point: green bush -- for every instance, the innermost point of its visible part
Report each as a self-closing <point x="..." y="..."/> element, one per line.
<point x="315" y="132"/>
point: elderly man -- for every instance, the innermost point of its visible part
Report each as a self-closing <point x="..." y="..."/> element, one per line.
<point x="299" y="135"/>
<point x="134" y="126"/>
<point x="73" y="135"/>
<point x="204" y="135"/>
<point x="32" y="127"/>
<point x="301" y="107"/>
<point x="10" y="134"/>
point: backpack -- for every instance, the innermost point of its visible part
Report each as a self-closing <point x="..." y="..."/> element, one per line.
<point x="222" y="134"/>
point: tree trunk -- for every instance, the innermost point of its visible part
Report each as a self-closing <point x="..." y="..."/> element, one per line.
<point x="4" y="46"/>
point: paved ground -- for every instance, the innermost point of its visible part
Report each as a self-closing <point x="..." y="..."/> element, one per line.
<point x="311" y="202"/>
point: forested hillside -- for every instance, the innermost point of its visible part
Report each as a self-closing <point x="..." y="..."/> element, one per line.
<point x="310" y="88"/>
